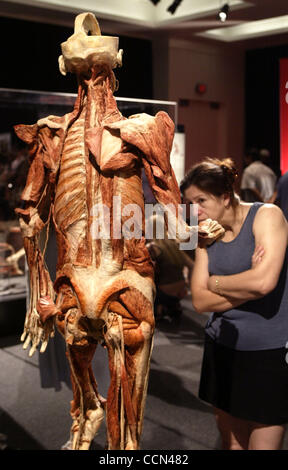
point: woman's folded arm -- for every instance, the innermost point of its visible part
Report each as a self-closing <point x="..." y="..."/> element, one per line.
<point x="270" y="231"/>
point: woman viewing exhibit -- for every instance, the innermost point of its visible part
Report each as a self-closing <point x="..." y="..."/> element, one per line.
<point x="242" y="279"/>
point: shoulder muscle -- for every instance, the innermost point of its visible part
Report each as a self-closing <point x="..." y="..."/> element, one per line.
<point x="270" y="226"/>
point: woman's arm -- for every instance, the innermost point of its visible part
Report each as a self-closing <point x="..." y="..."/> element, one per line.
<point x="270" y="231"/>
<point x="203" y="299"/>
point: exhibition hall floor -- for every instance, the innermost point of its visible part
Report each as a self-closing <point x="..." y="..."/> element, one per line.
<point x="34" y="418"/>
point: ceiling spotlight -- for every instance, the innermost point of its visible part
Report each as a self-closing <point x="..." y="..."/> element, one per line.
<point x="223" y="13"/>
<point x="155" y="1"/>
<point x="173" y="7"/>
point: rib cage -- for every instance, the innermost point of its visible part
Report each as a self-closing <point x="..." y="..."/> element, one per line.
<point x="70" y="199"/>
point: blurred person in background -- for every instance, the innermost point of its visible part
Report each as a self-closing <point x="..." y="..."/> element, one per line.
<point x="258" y="177"/>
<point x="172" y="272"/>
<point x="265" y="157"/>
<point x="282" y="194"/>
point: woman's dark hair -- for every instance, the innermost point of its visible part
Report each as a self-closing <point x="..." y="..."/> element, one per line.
<point x="213" y="176"/>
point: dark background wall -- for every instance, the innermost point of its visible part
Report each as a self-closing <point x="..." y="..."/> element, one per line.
<point x="262" y="99"/>
<point x="29" y="60"/>
<point x="30" y="50"/>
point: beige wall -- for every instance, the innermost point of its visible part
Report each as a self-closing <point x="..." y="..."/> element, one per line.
<point x="210" y="130"/>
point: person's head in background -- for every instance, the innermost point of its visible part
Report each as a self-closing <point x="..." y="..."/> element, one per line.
<point x="251" y="155"/>
<point x="210" y="184"/>
<point x="265" y="156"/>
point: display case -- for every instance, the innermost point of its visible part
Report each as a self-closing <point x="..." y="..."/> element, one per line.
<point x="26" y="107"/>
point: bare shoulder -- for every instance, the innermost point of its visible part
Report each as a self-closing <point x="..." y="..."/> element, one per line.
<point x="270" y="215"/>
<point x="270" y="210"/>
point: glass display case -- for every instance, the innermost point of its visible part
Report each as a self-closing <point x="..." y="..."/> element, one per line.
<point x="26" y="107"/>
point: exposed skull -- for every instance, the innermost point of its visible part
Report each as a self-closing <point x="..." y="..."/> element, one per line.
<point x="87" y="47"/>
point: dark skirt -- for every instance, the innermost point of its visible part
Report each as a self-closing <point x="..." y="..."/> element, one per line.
<point x="251" y="385"/>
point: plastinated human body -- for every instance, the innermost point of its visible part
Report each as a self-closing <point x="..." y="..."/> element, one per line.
<point x="104" y="290"/>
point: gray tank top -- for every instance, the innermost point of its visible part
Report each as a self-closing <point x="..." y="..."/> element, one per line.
<point x="257" y="324"/>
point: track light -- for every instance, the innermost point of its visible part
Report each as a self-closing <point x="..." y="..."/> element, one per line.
<point x="223" y="13"/>
<point x="173" y="7"/>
